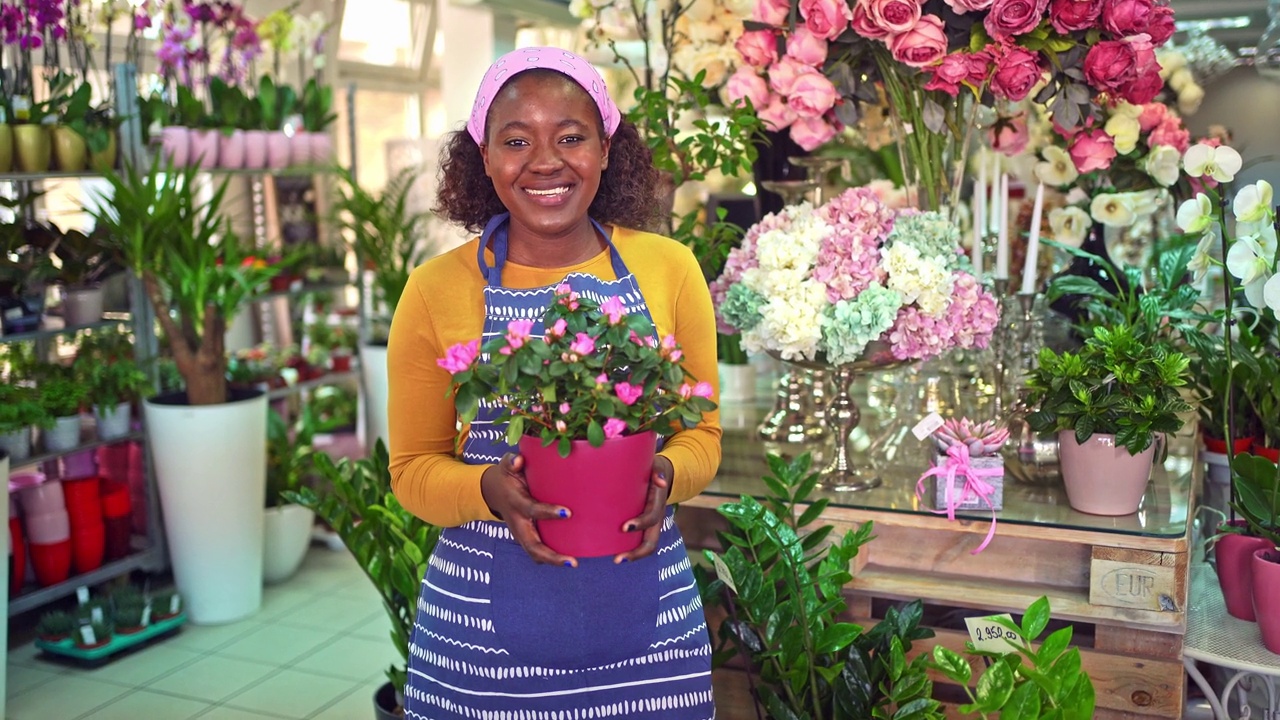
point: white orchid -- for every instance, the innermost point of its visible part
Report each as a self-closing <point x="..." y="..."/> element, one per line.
<point x="1196" y="215"/>
<point x="1058" y="169"/>
<point x="1113" y="209"/>
<point x="1220" y="163"/>
<point x="1202" y="260"/>
<point x="1253" y="202"/>
<point x="1163" y="164"/>
<point x="1069" y="225"/>
<point x="1251" y="262"/>
<point x="1271" y="294"/>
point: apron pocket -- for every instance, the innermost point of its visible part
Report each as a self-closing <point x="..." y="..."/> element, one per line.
<point x="568" y="618"/>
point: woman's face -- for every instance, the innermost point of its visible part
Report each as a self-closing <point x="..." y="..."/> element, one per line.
<point x="545" y="152"/>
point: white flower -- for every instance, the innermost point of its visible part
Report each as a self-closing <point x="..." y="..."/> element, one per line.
<point x="1189" y="99"/>
<point x="1271" y="294"/>
<point x="1180" y="79"/>
<point x="699" y="11"/>
<point x="1202" y="260"/>
<point x="1251" y="263"/>
<point x="923" y="281"/>
<point x="1125" y="131"/>
<point x="741" y="8"/>
<point x="1057" y="170"/>
<point x="1253" y="202"/>
<point x="1146" y="202"/>
<point x="795" y="247"/>
<point x="1113" y="210"/>
<point x="1077" y="196"/>
<point x="791" y="324"/>
<point x="1163" y="164"/>
<point x="1171" y="61"/>
<point x="1196" y="215"/>
<point x="581" y="9"/>
<point x="1069" y="226"/>
<point x="1221" y="163"/>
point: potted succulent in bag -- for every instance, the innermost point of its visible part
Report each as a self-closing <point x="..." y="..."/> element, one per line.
<point x="390" y="544"/>
<point x="208" y="444"/>
<point x="20" y="411"/>
<point x="85" y="263"/>
<point x="593" y="392"/>
<point x="288" y="524"/>
<point x="1108" y="403"/>
<point x="114" y="381"/>
<point x="63" y="395"/>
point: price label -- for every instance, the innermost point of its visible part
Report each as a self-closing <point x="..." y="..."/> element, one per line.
<point x="87" y="635"/>
<point x="722" y="572"/>
<point x="82" y="594"/>
<point x="990" y="636"/>
<point x="96" y="614"/>
<point x="928" y="426"/>
<point x="21" y="108"/>
<point x="174" y="602"/>
<point x="146" y="615"/>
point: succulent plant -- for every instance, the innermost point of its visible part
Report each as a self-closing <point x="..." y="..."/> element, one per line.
<point x="56" y="624"/>
<point x="982" y="439"/>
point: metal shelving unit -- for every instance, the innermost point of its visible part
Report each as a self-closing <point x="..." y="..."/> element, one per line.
<point x="89" y="445"/>
<point x="141" y="560"/>
<point x="328" y="379"/>
<point x="109" y="320"/>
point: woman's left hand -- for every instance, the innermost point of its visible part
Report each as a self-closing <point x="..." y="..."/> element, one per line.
<point x="655" y="508"/>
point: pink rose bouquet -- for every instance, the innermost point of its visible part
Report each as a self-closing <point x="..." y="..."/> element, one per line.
<point x="595" y="373"/>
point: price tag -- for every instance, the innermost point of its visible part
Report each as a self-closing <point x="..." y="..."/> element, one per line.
<point x="928" y="426"/>
<point x="96" y="615"/>
<point x="726" y="577"/>
<point x="174" y="602"/>
<point x="146" y="615"/>
<point x="82" y="594"/>
<point x="989" y="636"/>
<point x="87" y="635"/>
<point x="21" y="108"/>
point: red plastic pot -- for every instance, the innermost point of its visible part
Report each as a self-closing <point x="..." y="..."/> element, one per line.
<point x="17" y="556"/>
<point x="83" y="493"/>
<point x="602" y="487"/>
<point x="117" y="536"/>
<point x="1266" y="590"/>
<point x="88" y="546"/>
<point x="1234" y="557"/>
<point x="51" y="562"/>
<point x="116" y="502"/>
<point x="1271" y="454"/>
<point x="341" y="363"/>
<point x="1220" y="446"/>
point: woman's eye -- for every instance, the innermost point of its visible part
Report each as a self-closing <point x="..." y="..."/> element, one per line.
<point x="515" y="142"/>
<point x="572" y="139"/>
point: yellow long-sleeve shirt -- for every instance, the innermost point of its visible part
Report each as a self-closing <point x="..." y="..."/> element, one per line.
<point x="443" y="304"/>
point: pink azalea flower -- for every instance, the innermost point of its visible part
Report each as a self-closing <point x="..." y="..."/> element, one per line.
<point x="557" y="331"/>
<point x="517" y="334"/>
<point x="582" y="344"/>
<point x="460" y="357"/>
<point x="602" y="379"/>
<point x="561" y="426"/>
<point x="613" y="427"/>
<point x="613" y="309"/>
<point x="566" y="296"/>
<point x="702" y="389"/>
<point x="628" y="393"/>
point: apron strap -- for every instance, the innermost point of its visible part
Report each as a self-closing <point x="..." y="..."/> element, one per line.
<point x="496" y="231"/>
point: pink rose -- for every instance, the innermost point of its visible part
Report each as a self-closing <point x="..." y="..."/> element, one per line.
<point x="1069" y="16"/>
<point x="894" y="16"/>
<point x="771" y="12"/>
<point x="826" y="18"/>
<point x="1009" y="135"/>
<point x="949" y="74"/>
<point x="758" y="48"/>
<point x="1017" y="71"/>
<point x="613" y="427"/>
<point x="812" y="95"/>
<point x="1152" y="115"/>
<point x="809" y="133"/>
<point x="922" y="45"/>
<point x="1171" y="132"/>
<point x="963" y="6"/>
<point x="807" y="47"/>
<point x="1093" y="150"/>
<point x="1114" y="65"/>
<point x="784" y="73"/>
<point x="745" y="84"/>
<point x="863" y="25"/>
<point x="1146" y="87"/>
<point x="1010" y="18"/>
<point x="1162" y="26"/>
<point x="1127" y="17"/>
<point x="777" y="115"/>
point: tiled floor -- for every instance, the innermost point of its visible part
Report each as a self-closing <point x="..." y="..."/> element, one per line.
<point x="317" y="649"/>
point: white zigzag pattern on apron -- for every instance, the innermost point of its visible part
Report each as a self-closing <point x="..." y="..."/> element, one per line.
<point x="668" y="548"/>
<point x="451" y="568"/>
<point x="630" y="707"/>
<point x="502" y="673"/>
<point x="451" y="641"/>
<point x="454" y="617"/>
<point x="667" y="617"/>
<point x="465" y="548"/>
<point x="702" y="626"/>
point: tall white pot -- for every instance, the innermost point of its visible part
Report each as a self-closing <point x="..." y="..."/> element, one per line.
<point x="287" y="535"/>
<point x="211" y="468"/>
<point x="373" y="423"/>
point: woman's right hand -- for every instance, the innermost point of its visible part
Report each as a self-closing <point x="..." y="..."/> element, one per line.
<point x="506" y="492"/>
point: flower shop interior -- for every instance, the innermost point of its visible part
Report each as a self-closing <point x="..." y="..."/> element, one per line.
<point x="996" y="293"/>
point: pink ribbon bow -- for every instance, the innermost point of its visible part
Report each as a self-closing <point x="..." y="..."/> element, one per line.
<point x="974" y="485"/>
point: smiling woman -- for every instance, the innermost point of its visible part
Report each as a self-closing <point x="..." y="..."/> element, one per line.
<point x="555" y="182"/>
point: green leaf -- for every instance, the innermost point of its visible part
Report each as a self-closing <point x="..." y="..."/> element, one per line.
<point x="1036" y="619"/>
<point x="1053" y="646"/>
<point x="595" y="433"/>
<point x="994" y="687"/>
<point x="951" y="664"/>
<point x="1024" y="704"/>
<point x="837" y="637"/>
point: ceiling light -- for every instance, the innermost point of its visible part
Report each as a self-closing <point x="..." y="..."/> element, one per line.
<point x="1225" y="23"/>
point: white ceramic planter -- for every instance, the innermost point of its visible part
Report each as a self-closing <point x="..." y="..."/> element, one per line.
<point x="17" y="444"/>
<point x="286" y="537"/>
<point x="64" y="435"/>
<point x="737" y="383"/>
<point x="373" y="406"/>
<point x="210" y="464"/>
<point x="112" y="422"/>
<point x="82" y="306"/>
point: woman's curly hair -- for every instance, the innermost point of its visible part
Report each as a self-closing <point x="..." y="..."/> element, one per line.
<point x="627" y="194"/>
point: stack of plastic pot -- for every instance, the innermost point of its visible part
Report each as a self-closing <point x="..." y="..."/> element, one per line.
<point x="47" y="524"/>
<point x="84" y="508"/>
<point x="116" y="509"/>
<point x="17" y="550"/>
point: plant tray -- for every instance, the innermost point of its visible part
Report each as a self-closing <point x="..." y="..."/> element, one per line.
<point x="67" y="650"/>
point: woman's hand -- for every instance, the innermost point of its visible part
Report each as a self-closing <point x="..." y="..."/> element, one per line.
<point x="507" y="493"/>
<point x="655" y="510"/>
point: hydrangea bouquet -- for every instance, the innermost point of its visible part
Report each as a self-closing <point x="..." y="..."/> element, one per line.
<point x="596" y="373"/>
<point x="822" y="284"/>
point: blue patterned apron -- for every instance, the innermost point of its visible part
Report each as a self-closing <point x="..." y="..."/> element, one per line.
<point x="500" y="637"/>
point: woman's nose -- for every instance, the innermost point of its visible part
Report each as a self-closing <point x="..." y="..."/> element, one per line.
<point x="546" y="158"/>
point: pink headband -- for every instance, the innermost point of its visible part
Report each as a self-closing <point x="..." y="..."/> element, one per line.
<point x="562" y="61"/>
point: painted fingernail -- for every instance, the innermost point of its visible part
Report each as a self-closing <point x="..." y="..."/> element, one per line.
<point x="564" y="513"/>
<point x="568" y="563"/>
<point x="626" y="559"/>
<point x="631" y="527"/>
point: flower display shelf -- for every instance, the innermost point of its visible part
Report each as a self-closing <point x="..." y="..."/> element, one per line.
<point x="66" y="650"/>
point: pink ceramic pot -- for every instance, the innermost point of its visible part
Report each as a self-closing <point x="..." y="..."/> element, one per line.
<point x="175" y="144"/>
<point x="602" y="487"/>
<point x="1101" y="478"/>
<point x="48" y="528"/>
<point x="204" y="149"/>
<point x="1266" y="595"/>
<point x="1233" y="556"/>
<point x="300" y="149"/>
<point x="231" y="150"/>
<point x="321" y="149"/>
<point x="255" y="149"/>
<point x="277" y="150"/>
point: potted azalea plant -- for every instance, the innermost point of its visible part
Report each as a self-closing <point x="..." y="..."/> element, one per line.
<point x="593" y="392"/>
<point x="198" y="273"/>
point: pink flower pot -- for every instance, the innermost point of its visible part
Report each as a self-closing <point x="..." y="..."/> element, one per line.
<point x="48" y="528"/>
<point x="204" y="148"/>
<point x="300" y="149"/>
<point x="175" y="144"/>
<point x="1233" y="556"/>
<point x="231" y="150"/>
<point x="43" y="498"/>
<point x="1102" y="478"/>
<point x="321" y="148"/>
<point x="1266" y="595"/>
<point x="255" y="149"/>
<point x="277" y="150"/>
<point x="603" y="488"/>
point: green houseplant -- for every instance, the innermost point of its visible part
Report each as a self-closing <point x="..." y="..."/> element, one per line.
<point x="86" y="262"/>
<point x="113" y="378"/>
<point x="63" y="394"/>
<point x="20" y="410"/>
<point x="390" y="543"/>
<point x="287" y="525"/>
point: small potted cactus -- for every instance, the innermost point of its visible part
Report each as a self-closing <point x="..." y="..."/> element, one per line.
<point x="55" y="626"/>
<point x="983" y="442"/>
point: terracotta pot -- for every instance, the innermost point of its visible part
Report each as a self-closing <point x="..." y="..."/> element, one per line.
<point x="175" y="145"/>
<point x="602" y="487"/>
<point x="231" y="150"/>
<point x="255" y="149"/>
<point x="1101" y="478"/>
<point x="104" y="160"/>
<point x="70" y="151"/>
<point x="1233" y="556"/>
<point x="6" y="148"/>
<point x="34" y="148"/>
<point x="1266" y="590"/>
<point x="277" y="150"/>
<point x="204" y="148"/>
<point x="1271" y="454"/>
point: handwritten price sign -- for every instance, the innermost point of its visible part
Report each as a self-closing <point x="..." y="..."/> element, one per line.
<point x="988" y="635"/>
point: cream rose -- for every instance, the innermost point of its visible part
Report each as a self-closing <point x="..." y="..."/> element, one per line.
<point x="1057" y="169"/>
<point x="1069" y="225"/>
<point x="1163" y="164"/>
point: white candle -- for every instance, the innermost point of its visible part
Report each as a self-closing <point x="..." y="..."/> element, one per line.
<point x="979" y="223"/>
<point x="993" y="223"/>
<point x="1033" y="244"/>
<point x="1002" y="247"/>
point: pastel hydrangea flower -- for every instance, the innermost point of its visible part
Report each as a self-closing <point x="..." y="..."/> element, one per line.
<point x="916" y="335"/>
<point x="791" y="323"/>
<point x="740" y="309"/>
<point x="924" y="281"/>
<point x="849" y="325"/>
<point x="973" y="313"/>
<point x="931" y="234"/>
